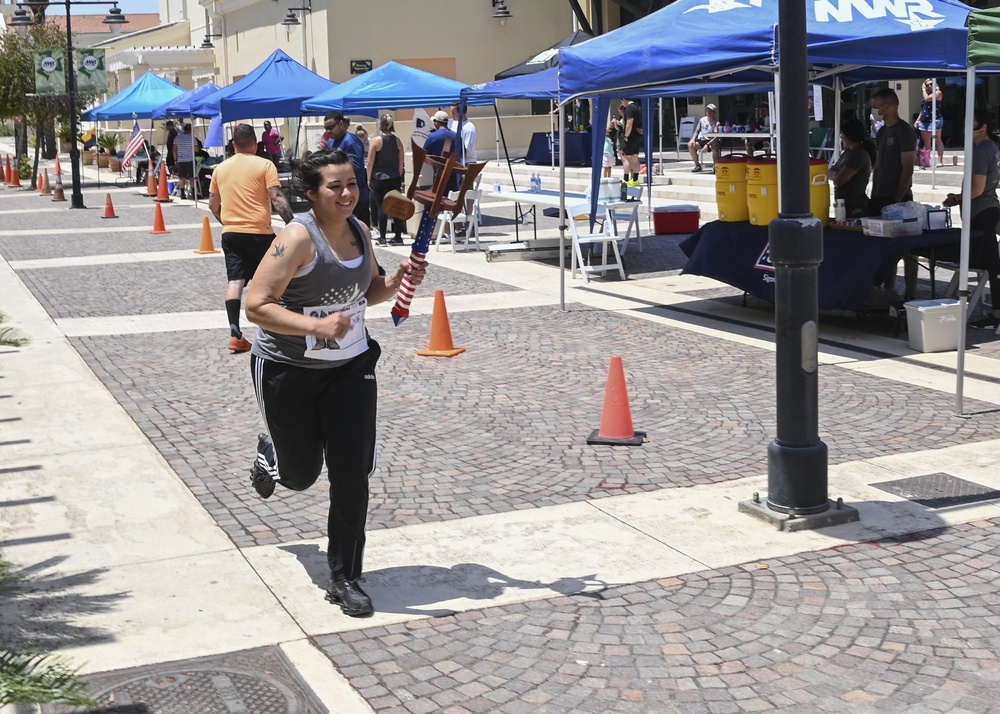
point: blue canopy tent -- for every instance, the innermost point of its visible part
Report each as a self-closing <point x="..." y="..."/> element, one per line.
<point x="275" y="88"/>
<point x="136" y="101"/>
<point x="180" y="106"/>
<point x="390" y="86"/>
<point x="694" y="38"/>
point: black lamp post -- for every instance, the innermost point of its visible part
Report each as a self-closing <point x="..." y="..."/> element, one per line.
<point x="115" y="19"/>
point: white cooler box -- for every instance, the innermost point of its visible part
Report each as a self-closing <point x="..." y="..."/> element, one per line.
<point x="932" y="325"/>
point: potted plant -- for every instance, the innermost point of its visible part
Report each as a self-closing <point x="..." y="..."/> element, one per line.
<point x="65" y="139"/>
<point x="109" y="148"/>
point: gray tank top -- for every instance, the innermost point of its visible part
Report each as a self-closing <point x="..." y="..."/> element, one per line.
<point x="330" y="286"/>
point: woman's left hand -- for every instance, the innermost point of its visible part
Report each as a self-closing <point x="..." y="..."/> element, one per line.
<point x="416" y="275"/>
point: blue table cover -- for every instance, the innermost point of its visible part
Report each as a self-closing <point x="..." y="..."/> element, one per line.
<point x="737" y="254"/>
<point x="577" y="149"/>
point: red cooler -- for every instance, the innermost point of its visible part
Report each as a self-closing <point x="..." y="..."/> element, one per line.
<point x="675" y="219"/>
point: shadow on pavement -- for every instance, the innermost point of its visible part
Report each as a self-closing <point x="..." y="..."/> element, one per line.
<point x="405" y="589"/>
<point x="45" y="608"/>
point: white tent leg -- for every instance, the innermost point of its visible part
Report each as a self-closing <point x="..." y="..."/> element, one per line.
<point x="838" y="88"/>
<point x="933" y="155"/>
<point x="677" y="124"/>
<point x="963" y="270"/>
<point x="562" y="210"/>
<point x="649" y="164"/>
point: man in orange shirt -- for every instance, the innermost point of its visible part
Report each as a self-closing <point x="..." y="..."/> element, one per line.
<point x="244" y="188"/>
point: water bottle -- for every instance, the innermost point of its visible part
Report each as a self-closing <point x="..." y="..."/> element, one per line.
<point x="496" y="187"/>
<point x="538" y="184"/>
<point x="534" y="178"/>
<point x="840" y="210"/>
<point x="729" y="127"/>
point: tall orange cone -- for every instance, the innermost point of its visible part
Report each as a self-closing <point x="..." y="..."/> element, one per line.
<point x="158" y="227"/>
<point x="7" y="178"/>
<point x="207" y="244"/>
<point x="15" y="178"/>
<point x="59" y="194"/>
<point x="46" y="186"/>
<point x="161" y="191"/>
<point x="38" y="186"/>
<point x="150" y="181"/>
<point x="109" y="208"/>
<point x="440" y="344"/>
<point x="616" y="419"/>
<point x="57" y="170"/>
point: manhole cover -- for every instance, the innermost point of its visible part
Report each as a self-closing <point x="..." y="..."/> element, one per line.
<point x="938" y="490"/>
<point x="259" y="681"/>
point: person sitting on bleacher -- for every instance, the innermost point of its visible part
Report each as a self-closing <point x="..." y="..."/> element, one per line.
<point x="700" y="142"/>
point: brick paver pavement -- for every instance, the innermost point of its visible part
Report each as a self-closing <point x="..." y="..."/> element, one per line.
<point x="900" y="625"/>
<point x="503" y="426"/>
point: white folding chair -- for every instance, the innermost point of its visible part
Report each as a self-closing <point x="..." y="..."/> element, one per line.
<point x="448" y="218"/>
<point x="631" y="215"/>
<point x="982" y="282"/>
<point x="605" y="238"/>
<point x="684" y="134"/>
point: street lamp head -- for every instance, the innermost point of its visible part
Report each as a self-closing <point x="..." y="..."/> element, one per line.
<point x="291" y="19"/>
<point x="115" y="20"/>
<point x="501" y="12"/>
<point x="21" y="22"/>
<point x="207" y="44"/>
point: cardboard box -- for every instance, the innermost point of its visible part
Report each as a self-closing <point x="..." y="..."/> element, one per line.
<point x="676" y="219"/>
<point x="932" y="325"/>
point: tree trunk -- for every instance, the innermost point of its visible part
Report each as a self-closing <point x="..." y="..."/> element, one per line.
<point x="50" y="141"/>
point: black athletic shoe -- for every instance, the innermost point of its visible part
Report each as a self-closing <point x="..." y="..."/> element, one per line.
<point x="263" y="471"/>
<point x="987" y="323"/>
<point x="352" y="599"/>
<point x="396" y="241"/>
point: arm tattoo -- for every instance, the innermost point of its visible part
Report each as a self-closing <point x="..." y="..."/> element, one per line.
<point x="281" y="206"/>
<point x="279" y="251"/>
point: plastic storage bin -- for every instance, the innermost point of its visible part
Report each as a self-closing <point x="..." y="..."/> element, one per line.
<point x="675" y="219"/>
<point x="932" y="325"/>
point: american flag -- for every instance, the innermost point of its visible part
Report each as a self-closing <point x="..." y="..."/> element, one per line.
<point x="135" y="144"/>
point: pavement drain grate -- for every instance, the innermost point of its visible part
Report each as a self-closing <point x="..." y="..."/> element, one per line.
<point x="938" y="490"/>
<point x="258" y="681"/>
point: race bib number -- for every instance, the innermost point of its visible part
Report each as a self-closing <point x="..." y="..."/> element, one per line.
<point x="350" y="345"/>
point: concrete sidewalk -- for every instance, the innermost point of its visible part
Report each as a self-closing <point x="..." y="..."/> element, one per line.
<point x="513" y="568"/>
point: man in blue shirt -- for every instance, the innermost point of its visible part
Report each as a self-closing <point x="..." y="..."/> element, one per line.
<point x="337" y="125"/>
<point x="438" y="139"/>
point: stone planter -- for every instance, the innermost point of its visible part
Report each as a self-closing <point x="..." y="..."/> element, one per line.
<point x="115" y="165"/>
<point x="103" y="160"/>
<point x="87" y="157"/>
<point x="67" y="146"/>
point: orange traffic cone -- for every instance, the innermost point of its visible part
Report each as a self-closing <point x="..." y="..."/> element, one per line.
<point x="158" y="227"/>
<point x="161" y="191"/>
<point x="57" y="170"/>
<point x="150" y="181"/>
<point x="616" y="419"/>
<point x="8" y="175"/>
<point x="46" y="186"/>
<point x="109" y="208"/>
<point x="207" y="244"/>
<point x="38" y="183"/>
<point x="15" y="178"/>
<point x="440" y="344"/>
<point x="59" y="194"/>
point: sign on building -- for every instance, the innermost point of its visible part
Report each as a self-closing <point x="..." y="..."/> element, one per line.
<point x="361" y="66"/>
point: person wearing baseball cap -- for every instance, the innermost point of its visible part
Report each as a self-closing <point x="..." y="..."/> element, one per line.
<point x="338" y="137"/>
<point x="700" y="142"/>
<point x="442" y="141"/>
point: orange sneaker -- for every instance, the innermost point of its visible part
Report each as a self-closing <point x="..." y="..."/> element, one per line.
<point x="239" y="344"/>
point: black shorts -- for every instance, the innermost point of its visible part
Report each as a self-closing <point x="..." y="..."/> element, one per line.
<point x="702" y="142"/>
<point x="243" y="252"/>
<point x="633" y="144"/>
<point x="185" y="170"/>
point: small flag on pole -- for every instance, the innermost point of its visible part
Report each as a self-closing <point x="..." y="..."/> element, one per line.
<point x="135" y="144"/>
